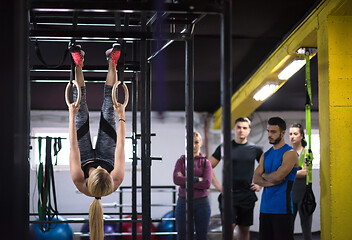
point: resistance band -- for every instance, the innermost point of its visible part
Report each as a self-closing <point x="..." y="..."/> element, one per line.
<point x="40" y="182"/>
<point x="40" y="57"/>
<point x="309" y="155"/>
<point x="37" y="49"/>
<point x="46" y="211"/>
<point x="57" y="147"/>
<point x="301" y="162"/>
<point x="308" y="202"/>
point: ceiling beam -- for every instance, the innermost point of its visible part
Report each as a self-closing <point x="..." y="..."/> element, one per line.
<point x="304" y="35"/>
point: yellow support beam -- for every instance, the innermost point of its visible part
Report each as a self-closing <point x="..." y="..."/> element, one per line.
<point x="335" y="123"/>
<point x="329" y="28"/>
<point x="305" y="35"/>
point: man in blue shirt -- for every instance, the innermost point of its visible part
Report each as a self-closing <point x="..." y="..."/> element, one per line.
<point x="276" y="172"/>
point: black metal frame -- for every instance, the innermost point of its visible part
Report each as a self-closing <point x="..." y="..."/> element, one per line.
<point x="139" y="20"/>
<point x="226" y="88"/>
<point x="134" y="156"/>
<point x="121" y="212"/>
<point x="189" y="93"/>
<point x="15" y="95"/>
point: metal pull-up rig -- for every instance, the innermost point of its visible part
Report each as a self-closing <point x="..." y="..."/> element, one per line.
<point x="136" y="25"/>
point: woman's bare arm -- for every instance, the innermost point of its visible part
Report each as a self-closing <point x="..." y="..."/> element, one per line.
<point x="118" y="172"/>
<point x="77" y="174"/>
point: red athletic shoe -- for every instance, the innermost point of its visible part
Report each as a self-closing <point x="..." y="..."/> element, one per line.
<point x="113" y="54"/>
<point x="77" y="54"/>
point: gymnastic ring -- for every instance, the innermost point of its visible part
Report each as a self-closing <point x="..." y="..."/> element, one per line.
<point x="115" y="89"/>
<point x="67" y="93"/>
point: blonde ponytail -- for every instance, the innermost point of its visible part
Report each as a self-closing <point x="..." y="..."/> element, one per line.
<point x="100" y="184"/>
<point x="96" y="220"/>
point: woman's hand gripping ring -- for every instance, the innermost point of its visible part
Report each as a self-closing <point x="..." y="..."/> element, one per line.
<point x="67" y="93"/>
<point x="115" y="92"/>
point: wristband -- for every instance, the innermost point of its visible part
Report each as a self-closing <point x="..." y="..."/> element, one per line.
<point x="123" y="120"/>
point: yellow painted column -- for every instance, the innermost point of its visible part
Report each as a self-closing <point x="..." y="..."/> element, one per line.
<point x="335" y="126"/>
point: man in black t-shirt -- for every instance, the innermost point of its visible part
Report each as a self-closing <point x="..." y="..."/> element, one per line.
<point x="243" y="155"/>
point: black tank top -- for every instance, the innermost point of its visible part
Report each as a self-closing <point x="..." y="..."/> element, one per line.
<point x="107" y="166"/>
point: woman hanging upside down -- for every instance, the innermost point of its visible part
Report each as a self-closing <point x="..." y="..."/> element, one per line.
<point x="97" y="172"/>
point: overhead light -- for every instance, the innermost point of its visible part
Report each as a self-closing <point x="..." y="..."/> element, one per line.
<point x="267" y="90"/>
<point x="291" y="69"/>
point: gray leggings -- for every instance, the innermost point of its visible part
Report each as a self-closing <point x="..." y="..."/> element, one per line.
<point x="106" y="141"/>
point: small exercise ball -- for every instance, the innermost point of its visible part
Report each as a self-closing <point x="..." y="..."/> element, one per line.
<point x="109" y="227"/>
<point x="166" y="226"/>
<point x="127" y="228"/>
<point x="56" y="231"/>
<point x="215" y="228"/>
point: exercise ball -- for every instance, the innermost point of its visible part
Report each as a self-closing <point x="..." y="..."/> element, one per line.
<point x="56" y="231"/>
<point x="166" y="226"/>
<point x="127" y="228"/>
<point x="109" y="227"/>
<point x="215" y="228"/>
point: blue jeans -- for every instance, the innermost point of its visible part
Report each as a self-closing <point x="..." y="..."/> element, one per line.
<point x="201" y="218"/>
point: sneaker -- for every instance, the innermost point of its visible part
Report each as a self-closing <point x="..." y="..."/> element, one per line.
<point x="113" y="54"/>
<point x="77" y="54"/>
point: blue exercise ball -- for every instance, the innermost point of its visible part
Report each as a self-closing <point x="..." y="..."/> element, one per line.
<point x="56" y="231"/>
<point x="166" y="226"/>
<point x="109" y="227"/>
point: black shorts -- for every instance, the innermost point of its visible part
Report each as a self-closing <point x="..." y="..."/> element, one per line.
<point x="242" y="213"/>
<point x="275" y="226"/>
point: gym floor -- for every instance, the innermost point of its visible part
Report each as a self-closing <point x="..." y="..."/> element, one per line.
<point x="254" y="236"/>
<point x="315" y="235"/>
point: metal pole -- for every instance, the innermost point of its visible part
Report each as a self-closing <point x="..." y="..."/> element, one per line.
<point x="134" y="145"/>
<point x="145" y="138"/>
<point x="15" y="121"/>
<point x="173" y="211"/>
<point x="189" y="92"/>
<point x="121" y="207"/>
<point x="226" y="80"/>
<point x="134" y="156"/>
